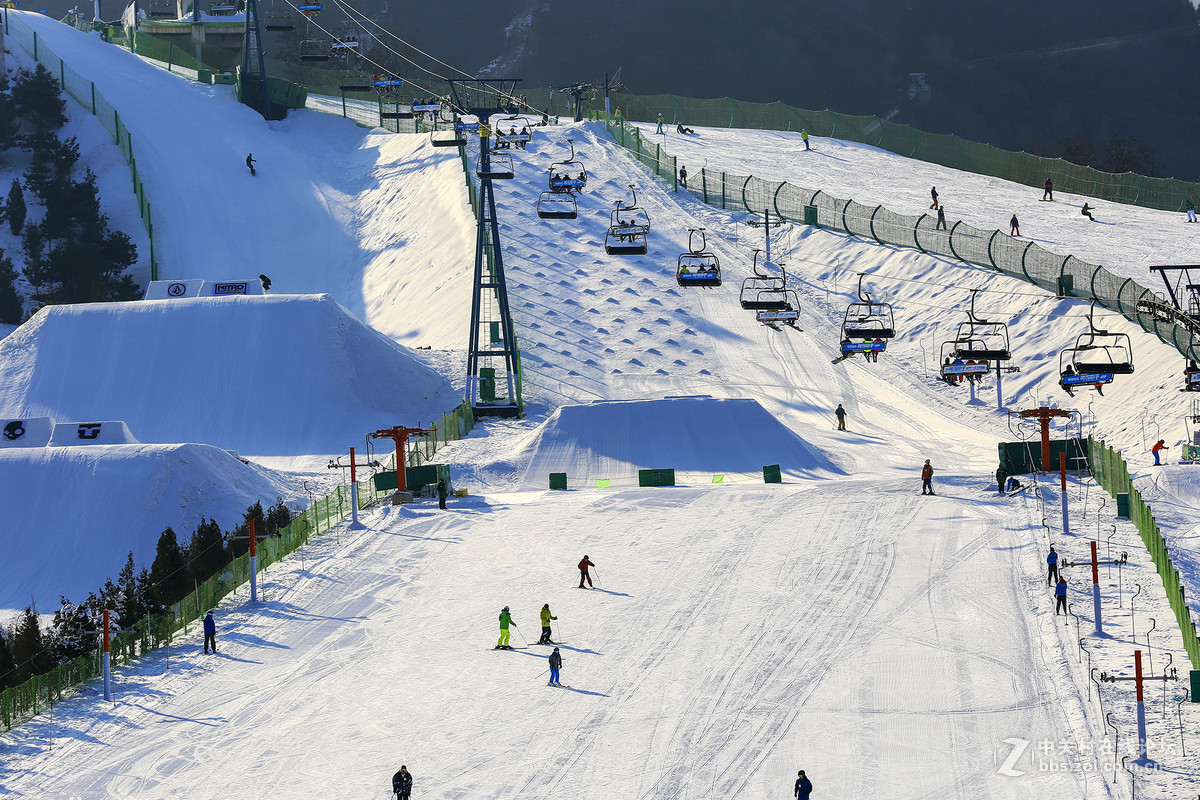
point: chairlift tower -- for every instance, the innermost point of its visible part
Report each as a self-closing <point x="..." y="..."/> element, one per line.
<point x="255" y="92"/>
<point x="492" y="343"/>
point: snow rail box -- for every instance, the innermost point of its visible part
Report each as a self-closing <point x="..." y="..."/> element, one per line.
<point x="32" y="432"/>
<point x="72" y="434"/>
<point x="173" y="290"/>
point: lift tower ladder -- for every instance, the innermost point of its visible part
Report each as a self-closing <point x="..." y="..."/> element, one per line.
<point x="492" y="344"/>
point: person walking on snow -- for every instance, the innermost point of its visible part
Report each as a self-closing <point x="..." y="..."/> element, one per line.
<point x="804" y="137"/>
<point x="840" y="413"/>
<point x="583" y="571"/>
<point x="803" y="786"/>
<point x="442" y="491"/>
<point x="683" y="176"/>
<point x="555" y="665"/>
<point x="1087" y="212"/>
<point x="250" y="163"/>
<point x="210" y="633"/>
<point x="402" y="783"/>
<point x="1190" y="208"/>
<point x="1014" y="227"/>
<point x="1001" y="477"/>
<point x="505" y="621"/>
<point x="1060" y="592"/>
<point x="1051" y="567"/>
<point x="1048" y="194"/>
<point x="660" y="121"/>
<point x="546" y="617"/>
<point x="941" y="223"/>
<point x="927" y="478"/>
<point x="1158" y="447"/>
<point x="933" y="194"/>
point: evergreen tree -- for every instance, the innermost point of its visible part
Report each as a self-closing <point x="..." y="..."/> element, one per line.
<point x="73" y="632"/>
<point x="278" y="517"/>
<point x="9" y="124"/>
<point x="38" y="98"/>
<point x="1127" y="154"/>
<point x="11" y="308"/>
<point x="129" y="605"/>
<point x="205" y="550"/>
<point x="29" y="648"/>
<point x="8" y="667"/>
<point x="15" y="210"/>
<point x="145" y="591"/>
<point x="169" y="573"/>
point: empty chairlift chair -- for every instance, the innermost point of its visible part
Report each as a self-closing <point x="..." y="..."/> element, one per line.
<point x="315" y="49"/>
<point x="499" y="168"/>
<point x="557" y="205"/>
<point x="628" y="230"/>
<point x="698" y="267"/>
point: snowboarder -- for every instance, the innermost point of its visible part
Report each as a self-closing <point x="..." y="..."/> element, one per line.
<point x="804" y="137"/>
<point x="402" y="783"/>
<point x="803" y="786"/>
<point x="683" y="176"/>
<point x="1048" y="194"/>
<point x="1014" y="227"/>
<point x="1052" y="567"/>
<point x="660" y="122"/>
<point x="927" y="478"/>
<point x="681" y="128"/>
<point x="1190" y="208"/>
<point x="933" y="194"/>
<point x="555" y="665"/>
<point x="583" y="571"/>
<point x="442" y="491"/>
<point x="210" y="633"/>
<point x="546" y="617"/>
<point x="1001" y="477"/>
<point x="1158" y="447"/>
<point x="840" y="413"/>
<point x="505" y="621"/>
<point x="1087" y="212"/>
<point x="250" y="164"/>
<point x="1060" y="592"/>
<point x="941" y="223"/>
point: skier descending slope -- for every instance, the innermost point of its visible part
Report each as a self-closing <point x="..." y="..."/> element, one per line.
<point x="583" y="572"/>
<point x="505" y="621"/>
<point x="555" y="666"/>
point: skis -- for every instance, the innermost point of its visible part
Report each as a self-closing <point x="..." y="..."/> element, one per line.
<point x="510" y="647"/>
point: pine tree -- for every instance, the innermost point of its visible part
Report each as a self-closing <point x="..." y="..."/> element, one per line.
<point x="73" y="632"/>
<point x="205" y="550"/>
<point x="9" y="124"/>
<point x="8" y="667"/>
<point x="38" y="98"/>
<point x="129" y="605"/>
<point x="15" y="210"/>
<point x="11" y="308"/>
<point x="169" y="573"/>
<point x="28" y="647"/>
<point x="278" y="517"/>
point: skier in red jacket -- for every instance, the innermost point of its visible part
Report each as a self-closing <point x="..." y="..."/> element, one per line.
<point x="583" y="572"/>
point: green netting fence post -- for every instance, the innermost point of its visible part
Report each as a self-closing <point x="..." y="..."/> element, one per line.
<point x="722" y="191"/>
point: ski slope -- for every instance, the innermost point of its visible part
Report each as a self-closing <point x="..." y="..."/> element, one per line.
<point x="890" y="644"/>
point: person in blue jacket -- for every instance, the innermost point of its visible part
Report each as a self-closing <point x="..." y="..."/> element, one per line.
<point x="210" y="632"/>
<point x="1052" y="563"/>
<point x="803" y="786"/>
<point x="1060" y="591"/>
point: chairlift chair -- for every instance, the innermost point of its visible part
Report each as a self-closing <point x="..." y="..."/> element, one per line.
<point x="310" y="10"/>
<point x="513" y="130"/>
<point x="569" y="175"/>
<point x="1191" y="377"/>
<point x="556" y="205"/>
<point x="698" y="267"/>
<point x="426" y="106"/>
<point x="501" y="168"/>
<point x="867" y="319"/>
<point x="278" y="21"/>
<point x="222" y="8"/>
<point x="162" y="9"/>
<point x="315" y="50"/>
<point x="1070" y="376"/>
<point x="628" y="230"/>
<point x="447" y="138"/>
<point x="1099" y="351"/>
<point x="981" y="340"/>
<point x="957" y="363"/>
<point x="761" y="291"/>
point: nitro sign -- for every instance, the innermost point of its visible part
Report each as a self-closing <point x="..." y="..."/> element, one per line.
<point x="220" y="289"/>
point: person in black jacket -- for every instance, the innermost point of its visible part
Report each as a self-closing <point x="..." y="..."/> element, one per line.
<point x="210" y="632"/>
<point x="555" y="666"/>
<point x="402" y="783"/>
<point x="803" y="786"/>
<point x="1048" y="194"/>
<point x="1087" y="212"/>
<point x="250" y="163"/>
<point x="933" y="194"/>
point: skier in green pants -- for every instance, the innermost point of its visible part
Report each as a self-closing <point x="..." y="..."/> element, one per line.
<point x="505" y="621"/>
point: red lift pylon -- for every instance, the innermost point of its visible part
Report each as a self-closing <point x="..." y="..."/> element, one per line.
<point x="399" y="434"/>
<point x="1043" y="415"/>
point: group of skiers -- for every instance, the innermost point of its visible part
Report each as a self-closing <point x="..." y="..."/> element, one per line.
<point x="953" y="378"/>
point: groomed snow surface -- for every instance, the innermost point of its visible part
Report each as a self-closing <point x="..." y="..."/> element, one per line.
<point x="892" y="645"/>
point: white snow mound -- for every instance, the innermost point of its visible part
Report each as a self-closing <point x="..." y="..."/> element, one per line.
<point x="308" y="377"/>
<point x="614" y="439"/>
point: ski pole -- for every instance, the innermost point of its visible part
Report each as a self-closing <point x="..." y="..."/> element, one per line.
<point x="518" y="630"/>
<point x="597" y="572"/>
